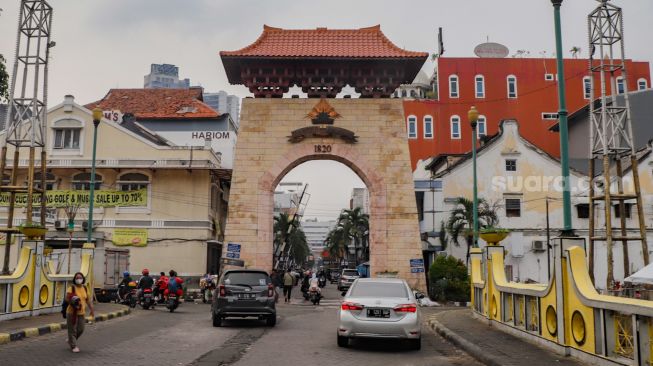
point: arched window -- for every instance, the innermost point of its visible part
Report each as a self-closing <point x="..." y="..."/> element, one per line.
<point x="412" y="127"/>
<point x="481" y="126"/>
<point x="428" y="127"/>
<point x="479" y="86"/>
<point x="641" y="84"/>
<point x="133" y="182"/>
<point x="512" y="86"/>
<point x="587" y="87"/>
<point x="403" y="93"/>
<point x="50" y="181"/>
<point x="455" y="127"/>
<point x="621" y="85"/>
<point x="82" y="181"/>
<point x="453" y="86"/>
<point x="67" y="134"/>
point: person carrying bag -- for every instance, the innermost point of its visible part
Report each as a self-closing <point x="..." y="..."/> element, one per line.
<point x="77" y="300"/>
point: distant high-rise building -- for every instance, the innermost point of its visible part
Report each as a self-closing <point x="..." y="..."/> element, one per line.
<point x="224" y="103"/>
<point x="164" y="76"/>
<point x="316" y="234"/>
<point x="360" y="197"/>
<point x="286" y="198"/>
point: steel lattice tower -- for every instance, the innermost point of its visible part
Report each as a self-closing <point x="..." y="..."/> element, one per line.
<point x="611" y="136"/>
<point x="25" y="127"/>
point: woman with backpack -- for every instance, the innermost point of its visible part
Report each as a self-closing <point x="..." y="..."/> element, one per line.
<point x="77" y="299"/>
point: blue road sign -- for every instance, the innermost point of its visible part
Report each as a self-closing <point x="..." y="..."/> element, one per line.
<point x="417" y="270"/>
<point x="233" y="247"/>
<point x="417" y="263"/>
<point x="233" y="255"/>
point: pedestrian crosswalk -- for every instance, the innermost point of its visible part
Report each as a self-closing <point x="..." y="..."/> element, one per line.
<point x="323" y="302"/>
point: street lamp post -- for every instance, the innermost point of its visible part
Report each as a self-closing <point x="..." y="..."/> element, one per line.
<point x="97" y="116"/>
<point x="562" y="117"/>
<point x="473" y="119"/>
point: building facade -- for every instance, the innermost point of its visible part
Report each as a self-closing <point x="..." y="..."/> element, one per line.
<point x="360" y="198"/>
<point x="524" y="89"/>
<point x="184" y="204"/>
<point x="316" y="234"/>
<point x="164" y="76"/>
<point x="224" y="103"/>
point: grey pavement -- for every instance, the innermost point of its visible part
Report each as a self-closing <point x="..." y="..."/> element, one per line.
<point x="503" y="348"/>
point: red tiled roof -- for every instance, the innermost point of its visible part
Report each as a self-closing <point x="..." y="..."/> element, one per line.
<point x="322" y="42"/>
<point x="157" y="103"/>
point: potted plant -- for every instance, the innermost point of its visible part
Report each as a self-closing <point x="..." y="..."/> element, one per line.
<point x="32" y="230"/>
<point x="494" y="235"/>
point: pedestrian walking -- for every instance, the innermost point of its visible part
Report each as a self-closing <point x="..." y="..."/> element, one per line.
<point x="288" y="281"/>
<point x="78" y="300"/>
<point x="276" y="283"/>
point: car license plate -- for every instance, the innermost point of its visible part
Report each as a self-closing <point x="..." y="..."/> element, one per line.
<point x="378" y="313"/>
<point x="148" y="295"/>
<point x="246" y="296"/>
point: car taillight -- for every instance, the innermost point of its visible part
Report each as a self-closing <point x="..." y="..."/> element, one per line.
<point x="351" y="306"/>
<point x="406" y="308"/>
<point x="223" y="291"/>
<point x="270" y="290"/>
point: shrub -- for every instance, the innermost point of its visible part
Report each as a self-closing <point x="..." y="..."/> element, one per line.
<point x="448" y="280"/>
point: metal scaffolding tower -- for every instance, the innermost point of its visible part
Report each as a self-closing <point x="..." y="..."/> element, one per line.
<point x="26" y="117"/>
<point x="611" y="137"/>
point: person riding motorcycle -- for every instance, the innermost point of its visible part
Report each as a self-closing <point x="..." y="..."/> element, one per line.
<point x="174" y="284"/>
<point x="306" y="284"/>
<point x="144" y="282"/>
<point x="314" y="287"/>
<point x="161" y="285"/>
<point x="125" y="284"/>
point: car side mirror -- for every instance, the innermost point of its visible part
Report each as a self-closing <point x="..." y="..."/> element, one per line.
<point x="343" y="293"/>
<point x="419" y="296"/>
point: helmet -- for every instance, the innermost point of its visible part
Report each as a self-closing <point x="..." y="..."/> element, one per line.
<point x="146" y="272"/>
<point x="125" y="274"/>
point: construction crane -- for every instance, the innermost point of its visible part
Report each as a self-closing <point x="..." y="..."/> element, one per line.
<point x="26" y="114"/>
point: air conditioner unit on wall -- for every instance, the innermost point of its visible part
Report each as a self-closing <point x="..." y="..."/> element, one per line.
<point x="60" y="224"/>
<point x="538" y="245"/>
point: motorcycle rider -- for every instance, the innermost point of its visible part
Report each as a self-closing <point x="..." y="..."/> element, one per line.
<point x="161" y="285"/>
<point x="174" y="284"/>
<point x="306" y="284"/>
<point x="144" y="282"/>
<point x="123" y="287"/>
<point x="314" y="286"/>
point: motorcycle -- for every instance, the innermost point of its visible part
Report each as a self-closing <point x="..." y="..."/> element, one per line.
<point x="304" y="290"/>
<point x="322" y="282"/>
<point x="335" y="277"/>
<point x="130" y="297"/>
<point x="315" y="296"/>
<point x="173" y="302"/>
<point x="147" y="299"/>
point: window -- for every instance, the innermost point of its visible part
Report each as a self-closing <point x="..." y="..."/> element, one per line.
<point x="641" y="84"/>
<point x="550" y="116"/>
<point x="66" y="138"/>
<point x="512" y="86"/>
<point x="413" y="94"/>
<point x="403" y="93"/>
<point x="377" y="290"/>
<point x="50" y="181"/>
<point x="511" y="165"/>
<point x="419" y="198"/>
<point x="621" y="85"/>
<point x="627" y="209"/>
<point x="513" y="207"/>
<point x="548" y="77"/>
<point x="455" y="127"/>
<point x="481" y="126"/>
<point x="583" y="210"/>
<point x="133" y="182"/>
<point x="428" y="127"/>
<point x="412" y="127"/>
<point x="587" y="87"/>
<point x="82" y="181"/>
<point x="479" y="82"/>
<point x="453" y="86"/>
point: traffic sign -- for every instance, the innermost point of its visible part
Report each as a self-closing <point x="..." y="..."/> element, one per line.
<point x="417" y="270"/>
<point x="417" y="263"/>
<point x="233" y="247"/>
<point x="233" y="262"/>
<point x="234" y="255"/>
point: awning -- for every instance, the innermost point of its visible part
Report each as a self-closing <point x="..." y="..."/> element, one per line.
<point x="643" y="276"/>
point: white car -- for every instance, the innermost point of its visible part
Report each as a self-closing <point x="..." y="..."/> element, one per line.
<point x="380" y="308"/>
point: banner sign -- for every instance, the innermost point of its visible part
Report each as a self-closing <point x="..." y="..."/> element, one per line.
<point x="133" y="237"/>
<point x="417" y="270"/>
<point x="233" y="247"/>
<point x="67" y="198"/>
<point x="417" y="262"/>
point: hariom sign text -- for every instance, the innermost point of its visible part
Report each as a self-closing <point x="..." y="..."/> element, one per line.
<point x="213" y="135"/>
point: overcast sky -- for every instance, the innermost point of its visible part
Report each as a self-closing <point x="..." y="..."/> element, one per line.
<point x="103" y="44"/>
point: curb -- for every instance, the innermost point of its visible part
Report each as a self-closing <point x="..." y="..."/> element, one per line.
<point x="55" y="327"/>
<point x="460" y="342"/>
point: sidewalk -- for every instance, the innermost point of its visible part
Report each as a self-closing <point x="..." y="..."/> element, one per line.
<point x="33" y="326"/>
<point x="490" y="345"/>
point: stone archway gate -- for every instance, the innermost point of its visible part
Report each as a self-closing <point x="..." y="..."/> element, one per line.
<point x="367" y="135"/>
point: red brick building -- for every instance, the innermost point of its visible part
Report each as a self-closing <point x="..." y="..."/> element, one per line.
<point x="521" y="88"/>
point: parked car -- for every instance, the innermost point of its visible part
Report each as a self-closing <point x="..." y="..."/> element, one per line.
<point x="244" y="293"/>
<point x="380" y="308"/>
<point x="347" y="277"/>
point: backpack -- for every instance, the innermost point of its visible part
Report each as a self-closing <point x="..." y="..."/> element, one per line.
<point x="173" y="286"/>
<point x="64" y="303"/>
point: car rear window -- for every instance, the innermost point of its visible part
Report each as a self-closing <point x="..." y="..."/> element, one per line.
<point x="379" y="289"/>
<point x="247" y="278"/>
<point x="350" y="272"/>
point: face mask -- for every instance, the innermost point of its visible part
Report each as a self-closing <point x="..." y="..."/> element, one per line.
<point x="79" y="281"/>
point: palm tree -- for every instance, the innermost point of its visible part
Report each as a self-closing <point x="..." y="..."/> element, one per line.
<point x="460" y="222"/>
<point x="355" y="223"/>
<point x="337" y="243"/>
<point x="289" y="241"/>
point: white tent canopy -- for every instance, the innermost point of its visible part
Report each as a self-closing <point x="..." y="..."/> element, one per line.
<point x="643" y="276"/>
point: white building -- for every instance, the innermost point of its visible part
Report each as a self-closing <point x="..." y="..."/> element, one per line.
<point x="418" y="89"/>
<point x="287" y="198"/>
<point x="164" y="76"/>
<point x="225" y="103"/>
<point x="316" y="234"/>
<point x="360" y="197"/>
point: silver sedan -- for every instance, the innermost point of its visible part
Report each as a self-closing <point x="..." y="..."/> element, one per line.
<point x="380" y="308"/>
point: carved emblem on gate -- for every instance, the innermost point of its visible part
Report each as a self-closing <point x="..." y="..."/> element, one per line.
<point x="323" y="113"/>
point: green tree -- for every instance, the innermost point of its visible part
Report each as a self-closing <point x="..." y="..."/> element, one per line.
<point x="289" y="241"/>
<point x="448" y="279"/>
<point x="355" y="223"/>
<point x="337" y="243"/>
<point x="4" y="81"/>
<point x="460" y="222"/>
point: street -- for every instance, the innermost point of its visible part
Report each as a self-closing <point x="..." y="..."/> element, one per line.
<point x="304" y="335"/>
